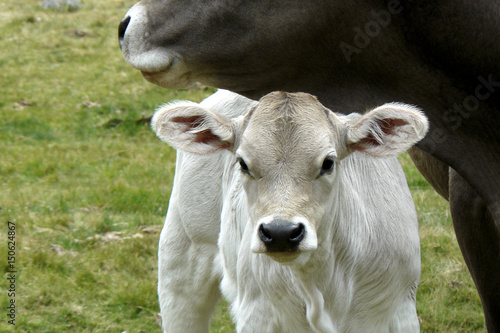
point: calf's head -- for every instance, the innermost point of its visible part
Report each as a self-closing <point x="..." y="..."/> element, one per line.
<point x="287" y="149"/>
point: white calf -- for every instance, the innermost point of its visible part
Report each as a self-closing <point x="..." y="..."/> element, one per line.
<point x="319" y="232"/>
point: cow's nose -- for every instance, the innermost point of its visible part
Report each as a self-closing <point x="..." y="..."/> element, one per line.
<point x="122" y="27"/>
<point x="281" y="236"/>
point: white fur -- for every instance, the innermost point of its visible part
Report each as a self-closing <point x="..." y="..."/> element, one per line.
<point x="360" y="266"/>
<point x="189" y="269"/>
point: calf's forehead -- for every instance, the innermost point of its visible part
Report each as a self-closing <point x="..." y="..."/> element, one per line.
<point x="287" y="126"/>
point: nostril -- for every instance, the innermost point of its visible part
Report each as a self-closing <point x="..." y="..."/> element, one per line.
<point x="281" y="236"/>
<point x="297" y="235"/>
<point x="264" y="235"/>
<point x="122" y="27"/>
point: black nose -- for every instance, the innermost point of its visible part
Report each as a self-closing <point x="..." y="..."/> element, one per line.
<point x="122" y="28"/>
<point x="281" y="236"/>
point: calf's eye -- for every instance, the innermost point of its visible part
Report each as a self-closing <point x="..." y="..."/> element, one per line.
<point x="327" y="166"/>
<point x="243" y="166"/>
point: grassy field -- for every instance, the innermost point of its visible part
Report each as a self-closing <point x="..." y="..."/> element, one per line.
<point x="86" y="184"/>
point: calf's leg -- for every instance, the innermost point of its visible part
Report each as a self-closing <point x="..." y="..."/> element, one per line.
<point x="406" y="319"/>
<point x="188" y="272"/>
<point x="478" y="236"/>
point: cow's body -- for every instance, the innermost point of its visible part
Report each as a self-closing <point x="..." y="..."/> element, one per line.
<point x="441" y="56"/>
<point x="361" y="276"/>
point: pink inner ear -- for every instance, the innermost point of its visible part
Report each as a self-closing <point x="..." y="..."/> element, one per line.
<point x="189" y="122"/>
<point x="387" y="126"/>
<point x="205" y="136"/>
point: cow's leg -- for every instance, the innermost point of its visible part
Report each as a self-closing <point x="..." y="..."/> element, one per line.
<point x="188" y="276"/>
<point x="479" y="238"/>
<point x="433" y="170"/>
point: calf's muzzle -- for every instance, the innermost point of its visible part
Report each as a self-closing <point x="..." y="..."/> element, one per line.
<point x="281" y="236"/>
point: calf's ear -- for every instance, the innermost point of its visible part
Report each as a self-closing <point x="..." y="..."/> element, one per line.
<point x="189" y="127"/>
<point x="387" y="130"/>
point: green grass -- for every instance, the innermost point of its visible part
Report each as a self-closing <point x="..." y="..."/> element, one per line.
<point x="75" y="165"/>
<point x="447" y="299"/>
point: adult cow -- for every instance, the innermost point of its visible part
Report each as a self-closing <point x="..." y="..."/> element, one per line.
<point x="354" y="55"/>
<point x="308" y="241"/>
